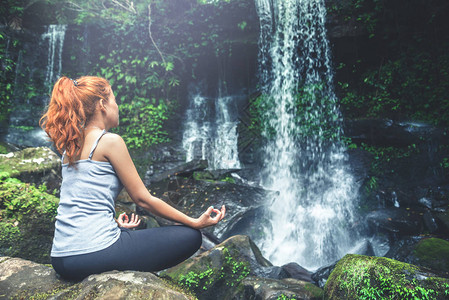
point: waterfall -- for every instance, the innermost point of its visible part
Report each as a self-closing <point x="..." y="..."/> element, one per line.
<point x="210" y="133"/>
<point x="225" y="150"/>
<point x="197" y="128"/>
<point x="304" y="157"/>
<point x="55" y="35"/>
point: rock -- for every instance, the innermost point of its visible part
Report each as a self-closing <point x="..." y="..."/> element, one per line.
<point x="425" y="202"/>
<point x="295" y="271"/>
<point x="364" y="248"/>
<point x="193" y="197"/>
<point x="27" y="216"/>
<point x="33" y="165"/>
<point x="359" y="276"/>
<point x="185" y="169"/>
<point x="215" y="175"/>
<point x="271" y="289"/>
<point x="430" y="222"/>
<point x="404" y="250"/>
<point x="322" y="274"/>
<point x="216" y="273"/>
<point x="396" y="221"/>
<point x="247" y="223"/>
<point x="22" y="279"/>
<point x="390" y="133"/>
<point x="442" y="219"/>
<point x="433" y="253"/>
<point x="221" y="273"/>
<point x="124" y="285"/>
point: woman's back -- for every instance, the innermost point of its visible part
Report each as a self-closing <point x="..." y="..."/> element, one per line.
<point x="85" y="221"/>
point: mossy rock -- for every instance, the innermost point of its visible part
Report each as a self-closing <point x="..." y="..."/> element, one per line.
<point x="38" y="165"/>
<point x="433" y="253"/>
<point x="27" y="216"/>
<point x="368" y="277"/>
<point x="217" y="273"/>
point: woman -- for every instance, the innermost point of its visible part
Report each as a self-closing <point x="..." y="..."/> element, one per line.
<point x="96" y="165"/>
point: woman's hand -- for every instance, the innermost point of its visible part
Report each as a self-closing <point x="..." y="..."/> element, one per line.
<point x="206" y="220"/>
<point x="125" y="222"/>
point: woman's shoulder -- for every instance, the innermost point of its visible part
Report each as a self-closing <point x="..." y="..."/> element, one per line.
<point x="112" y="140"/>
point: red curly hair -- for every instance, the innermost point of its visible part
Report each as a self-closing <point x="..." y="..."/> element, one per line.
<point x="72" y="104"/>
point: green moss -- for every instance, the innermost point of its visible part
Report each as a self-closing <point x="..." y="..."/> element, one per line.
<point x="208" y="176"/>
<point x="10" y="235"/>
<point x="28" y="160"/>
<point x="284" y="297"/>
<point x="18" y="199"/>
<point x="433" y="253"/>
<point x="203" y="277"/>
<point x="3" y="149"/>
<point x="315" y="291"/>
<point x="27" y="215"/>
<point x="365" y="277"/>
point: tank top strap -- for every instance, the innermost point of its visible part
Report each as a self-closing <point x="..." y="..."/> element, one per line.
<point x="62" y="157"/>
<point x="94" y="146"/>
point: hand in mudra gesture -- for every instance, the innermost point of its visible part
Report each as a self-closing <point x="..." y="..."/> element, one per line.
<point x="125" y="222"/>
<point x="206" y="219"/>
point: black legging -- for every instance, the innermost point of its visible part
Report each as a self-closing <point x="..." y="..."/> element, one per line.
<point x="147" y="250"/>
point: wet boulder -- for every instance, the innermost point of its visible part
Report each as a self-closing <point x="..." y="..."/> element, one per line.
<point x="403" y="249"/>
<point x="271" y="289"/>
<point x="244" y="204"/>
<point x="396" y="221"/>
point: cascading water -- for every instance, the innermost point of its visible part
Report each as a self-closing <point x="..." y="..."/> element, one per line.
<point x="304" y="158"/>
<point x="225" y="151"/>
<point x="55" y="35"/>
<point x="213" y="131"/>
<point x="23" y="127"/>
<point x="197" y="128"/>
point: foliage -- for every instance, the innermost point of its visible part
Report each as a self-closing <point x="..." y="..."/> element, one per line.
<point x="398" y="70"/>
<point x="17" y="199"/>
<point x="284" y="297"/>
<point x="364" y="277"/>
<point x="232" y="272"/>
<point x="10" y="13"/>
<point x="3" y="149"/>
<point x="312" y="110"/>
<point x="142" y="125"/>
<point x="27" y="215"/>
<point x="194" y="280"/>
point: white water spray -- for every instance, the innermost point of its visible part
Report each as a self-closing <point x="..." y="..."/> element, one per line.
<point x="55" y="35"/>
<point x="311" y="218"/>
<point x="211" y="134"/>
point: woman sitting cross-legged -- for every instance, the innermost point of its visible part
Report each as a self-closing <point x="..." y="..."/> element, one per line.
<point x="96" y="165"/>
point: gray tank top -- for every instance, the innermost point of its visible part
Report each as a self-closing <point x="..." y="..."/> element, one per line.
<point x="85" y="220"/>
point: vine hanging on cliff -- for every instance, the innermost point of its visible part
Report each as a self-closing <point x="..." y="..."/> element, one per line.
<point x="151" y="36"/>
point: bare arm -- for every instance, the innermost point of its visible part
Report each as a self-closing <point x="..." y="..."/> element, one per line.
<point x="115" y="151"/>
